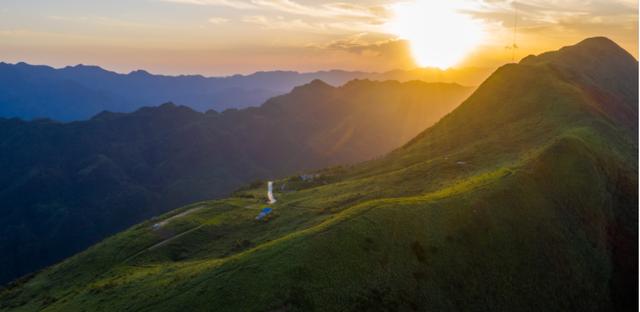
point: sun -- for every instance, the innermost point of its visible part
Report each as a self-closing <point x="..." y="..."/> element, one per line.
<point x="439" y="33"/>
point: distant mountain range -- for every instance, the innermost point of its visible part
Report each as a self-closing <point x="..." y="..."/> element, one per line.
<point x="79" y="92"/>
<point x="524" y="198"/>
<point x="65" y="186"/>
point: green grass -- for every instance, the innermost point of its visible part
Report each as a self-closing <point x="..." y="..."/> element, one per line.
<point x="541" y="216"/>
<point x="487" y="236"/>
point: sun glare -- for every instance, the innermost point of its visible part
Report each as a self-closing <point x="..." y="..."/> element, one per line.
<point x="440" y="35"/>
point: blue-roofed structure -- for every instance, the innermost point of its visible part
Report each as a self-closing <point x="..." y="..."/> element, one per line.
<point x="265" y="212"/>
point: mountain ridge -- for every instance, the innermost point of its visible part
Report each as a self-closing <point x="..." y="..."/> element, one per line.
<point x="81" y="91"/>
<point x="62" y="179"/>
<point x="595" y="75"/>
<point x="532" y="207"/>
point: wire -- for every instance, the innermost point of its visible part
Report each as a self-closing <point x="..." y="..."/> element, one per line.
<point x="515" y="31"/>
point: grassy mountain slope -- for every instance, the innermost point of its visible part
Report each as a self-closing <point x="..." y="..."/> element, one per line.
<point x="65" y="186"/>
<point x="522" y="199"/>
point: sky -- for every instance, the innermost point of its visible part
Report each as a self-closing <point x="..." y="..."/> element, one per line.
<point x="223" y="37"/>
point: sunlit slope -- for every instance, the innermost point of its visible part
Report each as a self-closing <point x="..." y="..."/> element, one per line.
<point x="67" y="186"/>
<point x="522" y="199"/>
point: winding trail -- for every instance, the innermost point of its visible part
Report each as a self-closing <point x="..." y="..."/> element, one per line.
<point x="163" y="223"/>
<point x="174" y="237"/>
<point x="272" y="200"/>
<point x="161" y="243"/>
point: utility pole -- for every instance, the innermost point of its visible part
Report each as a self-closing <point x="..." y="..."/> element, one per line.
<point x="514" y="45"/>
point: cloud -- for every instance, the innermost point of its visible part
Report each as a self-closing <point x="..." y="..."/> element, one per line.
<point x="236" y="4"/>
<point x="217" y="20"/>
<point x="310" y="26"/>
<point x="383" y="48"/>
<point x="286" y="24"/>
<point x="102" y="21"/>
<point x="533" y="14"/>
<point x="327" y="10"/>
<point x="386" y="53"/>
<point x="287" y="6"/>
<point x="335" y="10"/>
<point x="536" y="14"/>
<point x="539" y="21"/>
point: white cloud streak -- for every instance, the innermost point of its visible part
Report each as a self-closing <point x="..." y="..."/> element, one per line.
<point x="218" y="20"/>
<point x="326" y="10"/>
<point x="236" y="4"/>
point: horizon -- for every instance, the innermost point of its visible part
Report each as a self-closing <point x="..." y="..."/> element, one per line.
<point x="216" y="38"/>
<point x="328" y="70"/>
<point x="319" y="155"/>
<point x="243" y="74"/>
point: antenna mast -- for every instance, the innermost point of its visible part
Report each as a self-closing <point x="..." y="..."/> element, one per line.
<point x="514" y="46"/>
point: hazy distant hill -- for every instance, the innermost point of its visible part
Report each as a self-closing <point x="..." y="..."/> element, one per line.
<point x="524" y="198"/>
<point x="66" y="185"/>
<point x="79" y="92"/>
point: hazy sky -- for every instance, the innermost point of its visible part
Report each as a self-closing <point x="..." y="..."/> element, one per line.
<point x="216" y="37"/>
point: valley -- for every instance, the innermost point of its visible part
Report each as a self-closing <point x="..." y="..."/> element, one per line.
<point x="523" y="198"/>
<point x="118" y="169"/>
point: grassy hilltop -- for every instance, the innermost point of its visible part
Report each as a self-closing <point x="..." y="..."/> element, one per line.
<point x="522" y="199"/>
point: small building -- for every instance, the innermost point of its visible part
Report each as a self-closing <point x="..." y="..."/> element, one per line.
<point x="264" y="213"/>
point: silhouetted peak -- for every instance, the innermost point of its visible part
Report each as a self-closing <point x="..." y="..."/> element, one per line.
<point x="140" y="73"/>
<point x="315" y="85"/>
<point x="168" y="105"/>
<point x="584" y="53"/>
<point x="606" y="73"/>
<point x="598" y="41"/>
<point x="360" y="82"/>
<point x="168" y="108"/>
<point x="598" y="64"/>
<point x="85" y="67"/>
<point x="106" y="115"/>
<point x="318" y="83"/>
<point x="367" y="83"/>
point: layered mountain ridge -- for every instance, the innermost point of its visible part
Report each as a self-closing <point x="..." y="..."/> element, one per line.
<point x="524" y="198"/>
<point x="79" y="92"/>
<point x="67" y="185"/>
